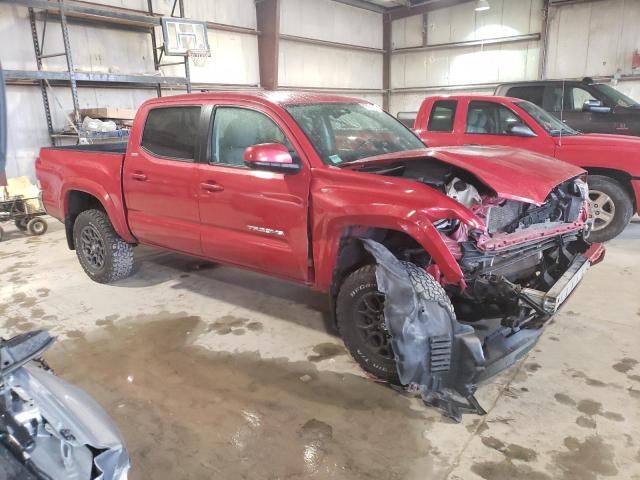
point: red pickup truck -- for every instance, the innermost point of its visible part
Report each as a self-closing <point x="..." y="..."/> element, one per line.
<point x="291" y="185"/>
<point x="612" y="161"/>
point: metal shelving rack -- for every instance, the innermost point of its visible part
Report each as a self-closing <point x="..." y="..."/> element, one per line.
<point x="66" y="11"/>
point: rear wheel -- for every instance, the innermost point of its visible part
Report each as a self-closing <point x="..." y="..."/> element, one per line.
<point x="104" y="256"/>
<point x="610" y="208"/>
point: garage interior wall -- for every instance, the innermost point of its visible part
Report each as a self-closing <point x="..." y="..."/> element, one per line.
<point x="431" y="53"/>
<point x="330" y="46"/>
<point x="350" y="71"/>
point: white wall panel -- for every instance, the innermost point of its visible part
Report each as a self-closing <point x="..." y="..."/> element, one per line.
<point x="27" y="126"/>
<point x="464" y="66"/>
<point x="304" y="65"/>
<point x="407" y="32"/>
<point x="234" y="60"/>
<point x="505" y="18"/>
<point x="333" y="21"/>
<point x="103" y="49"/>
<point x="593" y="39"/>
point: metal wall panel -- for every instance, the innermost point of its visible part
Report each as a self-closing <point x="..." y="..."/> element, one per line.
<point x="234" y="60"/>
<point x="332" y="21"/>
<point x="465" y="66"/>
<point x="304" y="65"/>
<point x="505" y="18"/>
<point x="592" y="39"/>
<point x="101" y="49"/>
<point x="407" y="32"/>
<point x="27" y="125"/>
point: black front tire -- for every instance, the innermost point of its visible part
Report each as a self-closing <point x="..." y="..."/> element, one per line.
<point x="356" y="289"/>
<point x="103" y="254"/>
<point x="362" y="283"/>
<point x="622" y="207"/>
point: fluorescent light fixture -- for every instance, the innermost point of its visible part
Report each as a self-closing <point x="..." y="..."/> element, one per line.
<point x="482" y="5"/>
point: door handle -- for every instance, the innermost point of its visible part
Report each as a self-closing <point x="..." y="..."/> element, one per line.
<point x="471" y="144"/>
<point x="211" y="187"/>
<point x="139" y="176"/>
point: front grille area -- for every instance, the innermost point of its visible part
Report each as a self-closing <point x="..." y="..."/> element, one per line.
<point x="501" y="216"/>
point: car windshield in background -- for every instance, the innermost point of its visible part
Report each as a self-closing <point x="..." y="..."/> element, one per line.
<point x="547" y="121"/>
<point x="620" y="99"/>
<point x="346" y="132"/>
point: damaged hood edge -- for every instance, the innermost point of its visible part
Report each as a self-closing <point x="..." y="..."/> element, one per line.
<point x="513" y="173"/>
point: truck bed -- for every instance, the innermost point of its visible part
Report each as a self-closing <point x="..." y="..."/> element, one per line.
<point x="66" y="173"/>
<point x="120" y="147"/>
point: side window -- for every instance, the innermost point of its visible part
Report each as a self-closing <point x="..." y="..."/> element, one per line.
<point x="407" y="118"/>
<point x="532" y="93"/>
<point x="491" y="118"/>
<point x="442" y="115"/>
<point x="172" y="132"/>
<point x="578" y="97"/>
<point x="235" y="129"/>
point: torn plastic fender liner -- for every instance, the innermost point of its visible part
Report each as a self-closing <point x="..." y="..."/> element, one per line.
<point x="433" y="350"/>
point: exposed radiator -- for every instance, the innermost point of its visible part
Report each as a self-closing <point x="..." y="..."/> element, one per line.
<point x="500" y="217"/>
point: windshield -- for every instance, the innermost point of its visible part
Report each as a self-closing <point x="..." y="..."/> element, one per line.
<point x="619" y="98"/>
<point x="547" y="121"/>
<point x="346" y="132"/>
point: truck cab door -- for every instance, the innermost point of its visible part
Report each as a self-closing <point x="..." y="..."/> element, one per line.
<point x="436" y="123"/>
<point x="492" y="123"/>
<point x="253" y="218"/>
<point x="158" y="179"/>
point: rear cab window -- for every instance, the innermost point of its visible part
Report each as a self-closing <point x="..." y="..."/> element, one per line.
<point x="172" y="132"/>
<point x="442" y="116"/>
<point x="531" y="93"/>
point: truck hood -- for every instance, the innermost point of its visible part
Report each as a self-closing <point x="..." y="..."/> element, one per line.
<point x="599" y="140"/>
<point x="512" y="173"/>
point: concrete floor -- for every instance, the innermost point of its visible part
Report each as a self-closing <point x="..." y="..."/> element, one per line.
<point x="213" y="372"/>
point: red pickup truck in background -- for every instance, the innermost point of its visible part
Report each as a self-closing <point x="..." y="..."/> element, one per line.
<point x="294" y="185"/>
<point x="612" y="161"/>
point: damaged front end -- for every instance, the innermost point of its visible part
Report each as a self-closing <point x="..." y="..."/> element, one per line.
<point x="48" y="428"/>
<point x="517" y="272"/>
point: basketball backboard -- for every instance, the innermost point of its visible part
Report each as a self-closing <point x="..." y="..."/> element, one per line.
<point x="182" y="36"/>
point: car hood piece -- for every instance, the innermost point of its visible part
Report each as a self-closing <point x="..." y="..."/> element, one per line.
<point x="512" y="173"/>
<point x="599" y="140"/>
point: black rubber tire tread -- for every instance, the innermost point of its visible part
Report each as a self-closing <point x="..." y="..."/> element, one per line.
<point x="623" y="204"/>
<point x="32" y="229"/>
<point x="21" y="224"/>
<point x="363" y="280"/>
<point x="118" y="253"/>
<point x="429" y="286"/>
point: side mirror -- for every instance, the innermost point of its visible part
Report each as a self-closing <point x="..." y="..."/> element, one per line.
<point x="520" y="130"/>
<point x="595" y="106"/>
<point x="273" y="157"/>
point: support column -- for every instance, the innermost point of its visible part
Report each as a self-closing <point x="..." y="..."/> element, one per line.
<point x="386" y="61"/>
<point x="268" y="18"/>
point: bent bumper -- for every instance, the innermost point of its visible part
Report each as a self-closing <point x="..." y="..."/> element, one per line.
<point x="551" y="301"/>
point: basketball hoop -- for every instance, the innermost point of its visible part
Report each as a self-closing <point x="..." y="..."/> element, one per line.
<point x="198" y="56"/>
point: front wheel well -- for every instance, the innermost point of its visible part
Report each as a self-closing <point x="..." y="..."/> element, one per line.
<point x="352" y="255"/>
<point x="623" y="178"/>
<point x="78" y="202"/>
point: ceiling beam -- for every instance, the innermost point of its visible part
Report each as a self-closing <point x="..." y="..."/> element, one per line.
<point x="364" y="5"/>
<point x="422" y="7"/>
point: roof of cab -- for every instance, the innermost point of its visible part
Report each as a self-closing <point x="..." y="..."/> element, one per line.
<point x="278" y="97"/>
<point x="482" y="98"/>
